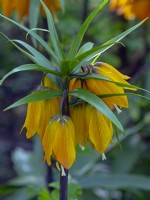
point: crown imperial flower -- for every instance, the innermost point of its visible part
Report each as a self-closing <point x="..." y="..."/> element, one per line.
<point x="22" y="7"/>
<point x="131" y="9"/>
<point x="59" y="141"/>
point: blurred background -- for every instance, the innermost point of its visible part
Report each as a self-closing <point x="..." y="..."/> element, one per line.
<point x="125" y="175"/>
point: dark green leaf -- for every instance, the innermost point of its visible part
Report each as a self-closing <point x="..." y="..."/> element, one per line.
<point x="34" y="13"/>
<point x="27" y="67"/>
<point x="35" y="36"/>
<point x="39" y="58"/>
<point x="36" y="96"/>
<point x="78" y="38"/>
<point x="53" y="34"/>
<point x="100" y="49"/>
<point x="86" y="47"/>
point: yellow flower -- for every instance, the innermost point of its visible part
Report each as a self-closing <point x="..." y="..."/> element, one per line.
<point x="78" y="116"/>
<point x="32" y="118"/>
<point x="101" y="87"/>
<point x="39" y="113"/>
<point x="100" y="129"/>
<point x="22" y="7"/>
<point x="59" y="133"/>
<point x="59" y="141"/>
<point x="131" y="8"/>
<point x="92" y="125"/>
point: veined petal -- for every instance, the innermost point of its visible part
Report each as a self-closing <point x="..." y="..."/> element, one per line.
<point x="78" y="116"/>
<point x="59" y="140"/>
<point x="49" y="108"/>
<point x="100" y="131"/>
<point x="48" y="83"/>
<point x="49" y="138"/>
<point x="74" y="84"/>
<point x="64" y="143"/>
<point x="32" y="118"/>
<point x="100" y="87"/>
<point x="111" y="72"/>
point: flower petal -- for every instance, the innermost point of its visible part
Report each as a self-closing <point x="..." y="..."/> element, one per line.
<point x="64" y="143"/>
<point x="32" y="118"/>
<point x="100" y="131"/>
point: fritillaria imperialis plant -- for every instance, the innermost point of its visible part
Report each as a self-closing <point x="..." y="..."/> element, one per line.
<point x="76" y="98"/>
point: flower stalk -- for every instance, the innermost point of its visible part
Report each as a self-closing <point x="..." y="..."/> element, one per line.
<point x="63" y="185"/>
<point x="64" y="106"/>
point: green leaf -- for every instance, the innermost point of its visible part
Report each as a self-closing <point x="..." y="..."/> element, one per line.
<point x="36" y="29"/>
<point x="36" y="96"/>
<point x="116" y="181"/>
<point x="53" y="34"/>
<point x="34" y="13"/>
<point x="27" y="67"/>
<point x="35" y="36"/>
<point x="78" y="38"/>
<point x="44" y="194"/>
<point x="99" y="77"/>
<point x="100" y="49"/>
<point x="20" y="49"/>
<point x="66" y="66"/>
<point x="123" y="94"/>
<point x="34" y="16"/>
<point x="96" y="102"/>
<point x="39" y="58"/>
<point x="86" y="47"/>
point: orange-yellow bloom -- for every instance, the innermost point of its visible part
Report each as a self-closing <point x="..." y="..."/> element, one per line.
<point x="100" y="130"/>
<point x="39" y="113"/>
<point x="78" y="115"/>
<point x="92" y="125"/>
<point x="32" y="118"/>
<point x="22" y="7"/>
<point x="131" y="8"/>
<point x="101" y="87"/>
<point x="59" y="133"/>
<point x="59" y="140"/>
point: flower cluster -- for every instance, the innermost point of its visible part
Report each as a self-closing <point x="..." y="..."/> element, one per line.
<point x="22" y="7"/>
<point x="60" y="133"/>
<point x="131" y="8"/>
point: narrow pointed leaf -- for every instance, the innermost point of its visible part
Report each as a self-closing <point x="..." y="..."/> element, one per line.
<point x="100" y="49"/>
<point x="35" y="36"/>
<point x="34" y="13"/>
<point x="123" y="94"/>
<point x="39" y="58"/>
<point x="86" y="47"/>
<point x="78" y="38"/>
<point x="36" y="96"/>
<point x="27" y="67"/>
<point x="53" y="34"/>
<point x="31" y="57"/>
<point x="95" y="101"/>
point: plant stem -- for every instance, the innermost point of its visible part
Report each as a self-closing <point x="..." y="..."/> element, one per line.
<point x="65" y="111"/>
<point x="64" y="186"/>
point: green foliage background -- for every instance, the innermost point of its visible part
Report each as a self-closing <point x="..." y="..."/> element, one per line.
<point x="125" y="174"/>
